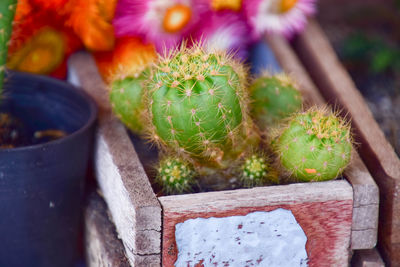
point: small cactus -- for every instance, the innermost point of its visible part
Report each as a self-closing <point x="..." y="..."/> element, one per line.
<point x="274" y="98"/>
<point x="197" y="103"/>
<point x="175" y="175"/>
<point x="7" y="12"/>
<point x="126" y="97"/>
<point x="315" y="145"/>
<point x="256" y="171"/>
<point x="126" y="69"/>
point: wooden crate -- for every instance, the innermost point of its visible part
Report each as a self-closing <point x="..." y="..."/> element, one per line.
<point x="137" y="212"/>
<point x="103" y="248"/>
<point x="337" y="87"/>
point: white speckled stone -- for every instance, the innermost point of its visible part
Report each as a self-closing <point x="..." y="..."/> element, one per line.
<point x="258" y="239"/>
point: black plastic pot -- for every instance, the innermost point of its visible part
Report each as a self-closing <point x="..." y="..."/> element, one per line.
<point x="41" y="186"/>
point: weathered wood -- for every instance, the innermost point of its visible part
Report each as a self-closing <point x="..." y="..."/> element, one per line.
<point x="367" y="258"/>
<point x="124" y="184"/>
<point x="103" y="248"/>
<point x="366" y="193"/>
<point x="327" y="230"/>
<point x="336" y="85"/>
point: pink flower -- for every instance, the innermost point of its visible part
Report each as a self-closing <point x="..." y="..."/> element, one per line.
<point x="162" y="22"/>
<point x="286" y="17"/>
<point x="226" y="31"/>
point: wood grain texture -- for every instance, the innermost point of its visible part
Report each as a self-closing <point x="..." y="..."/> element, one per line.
<point x="102" y="247"/>
<point x="367" y="258"/>
<point x="133" y="205"/>
<point x="336" y="85"/>
<point x="323" y="210"/>
<point x="366" y="193"/>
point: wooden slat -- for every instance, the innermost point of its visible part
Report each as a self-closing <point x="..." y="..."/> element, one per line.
<point x="124" y="184"/>
<point x="366" y="193"/>
<point x="336" y="85"/>
<point x="102" y="248"/>
<point x="323" y="210"/>
<point x="367" y="258"/>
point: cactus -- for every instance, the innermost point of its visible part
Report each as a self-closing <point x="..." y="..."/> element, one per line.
<point x="7" y="12"/>
<point x="257" y="171"/>
<point x="197" y="105"/>
<point x="125" y="69"/>
<point x="274" y="98"/>
<point x="126" y="101"/>
<point x="315" y="145"/>
<point x="175" y="175"/>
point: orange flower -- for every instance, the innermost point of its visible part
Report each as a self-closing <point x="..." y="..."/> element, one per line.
<point x="40" y="43"/>
<point x="129" y="57"/>
<point x="91" y="21"/>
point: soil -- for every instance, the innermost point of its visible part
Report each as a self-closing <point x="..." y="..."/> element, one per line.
<point x="14" y="134"/>
<point x="366" y="36"/>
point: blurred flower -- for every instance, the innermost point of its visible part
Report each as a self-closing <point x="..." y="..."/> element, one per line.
<point x="162" y="22"/>
<point x="281" y="16"/>
<point x="41" y="43"/>
<point x="129" y="57"/>
<point x="49" y="5"/>
<point x="225" y="31"/>
<point x="217" y="5"/>
<point x="91" y="21"/>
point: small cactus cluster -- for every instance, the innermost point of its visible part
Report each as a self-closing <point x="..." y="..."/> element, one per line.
<point x="7" y="12"/>
<point x="194" y="104"/>
<point x="256" y="171"/>
<point x="315" y="145"/>
<point x="197" y="104"/>
<point x="274" y="99"/>
<point x="175" y="175"/>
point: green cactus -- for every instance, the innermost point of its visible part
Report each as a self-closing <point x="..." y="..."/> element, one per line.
<point x="316" y="145"/>
<point x="197" y="103"/>
<point x="273" y="99"/>
<point x="256" y="171"/>
<point x="126" y="97"/>
<point x="175" y="175"/>
<point x="7" y="12"/>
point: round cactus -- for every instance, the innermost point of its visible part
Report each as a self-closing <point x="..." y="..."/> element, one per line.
<point x="125" y="69"/>
<point x="126" y="101"/>
<point x="175" y="175"/>
<point x="256" y="171"/>
<point x="274" y="98"/>
<point x="197" y="103"/>
<point x="315" y="145"/>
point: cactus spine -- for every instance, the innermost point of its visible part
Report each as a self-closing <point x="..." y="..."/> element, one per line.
<point x="197" y="104"/>
<point x="175" y="175"/>
<point x="274" y="98"/>
<point x="7" y="12"/>
<point x="315" y="145"/>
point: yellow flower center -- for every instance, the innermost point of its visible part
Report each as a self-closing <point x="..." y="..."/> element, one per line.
<point x="176" y="173"/>
<point x="287" y="5"/>
<point x="234" y="5"/>
<point x="41" y="54"/>
<point x="176" y="18"/>
<point x="256" y="166"/>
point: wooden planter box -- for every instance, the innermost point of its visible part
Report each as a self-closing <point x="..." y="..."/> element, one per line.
<point x="336" y="216"/>
<point x="337" y="87"/>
